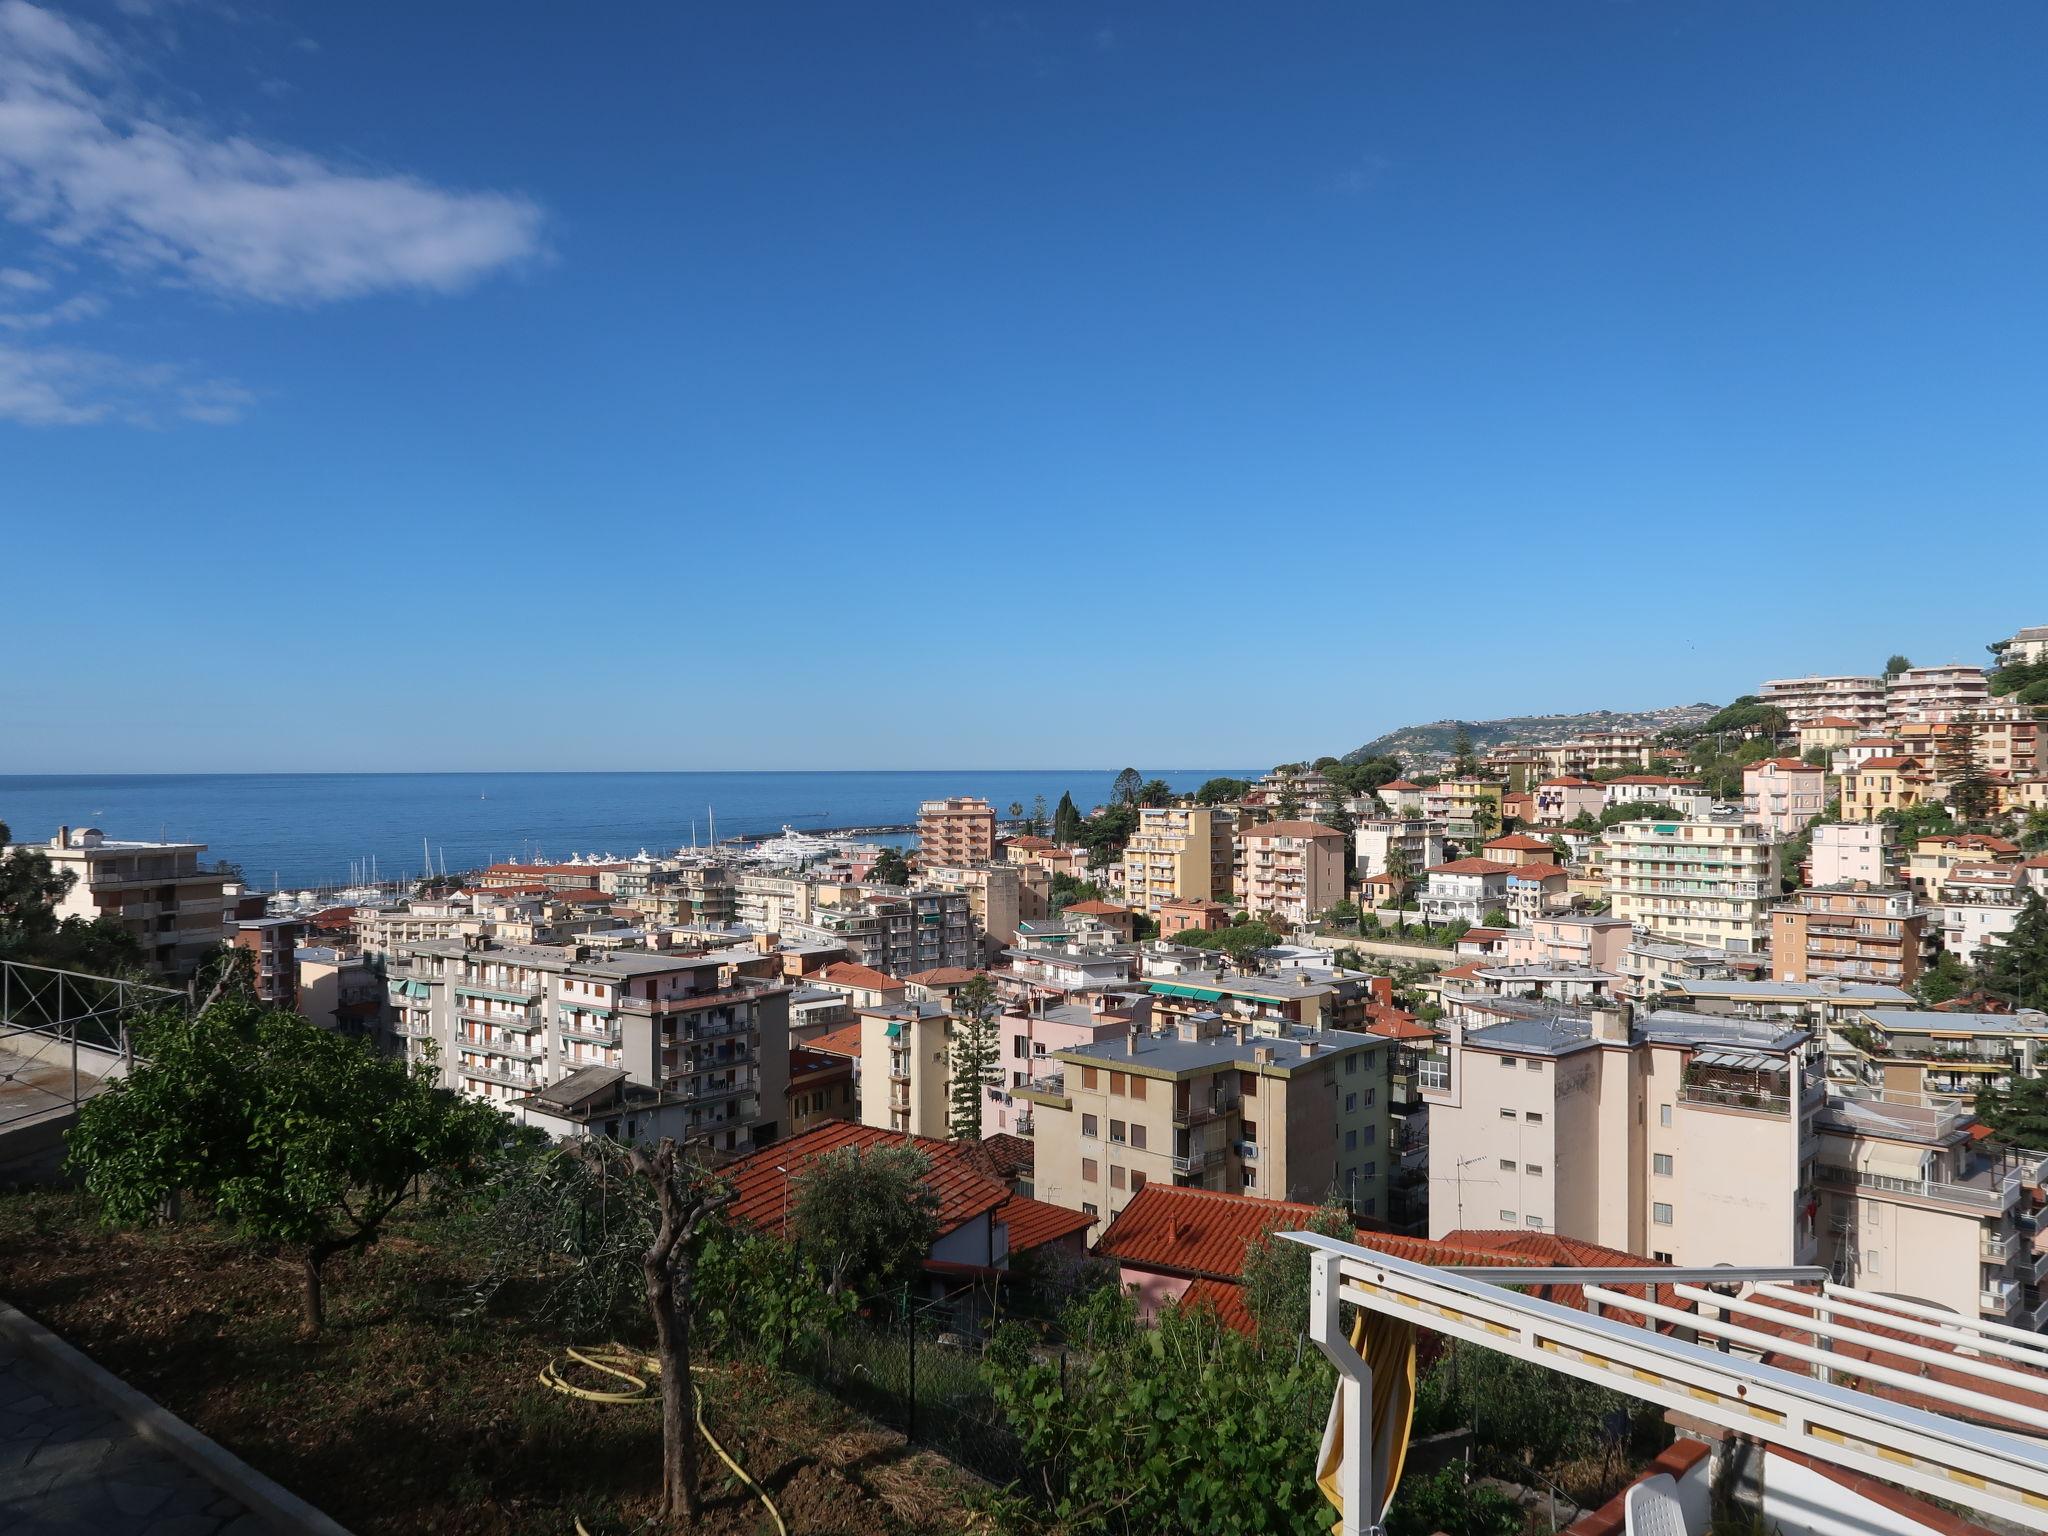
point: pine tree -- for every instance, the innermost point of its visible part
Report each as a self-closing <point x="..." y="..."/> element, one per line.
<point x="1464" y="758"/>
<point x="1957" y="764"/>
<point x="977" y="1055"/>
<point x="1125" y="790"/>
<point x="2016" y="967"/>
<point x="1066" y="821"/>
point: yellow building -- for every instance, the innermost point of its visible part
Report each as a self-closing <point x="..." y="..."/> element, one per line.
<point x="1880" y="784"/>
<point x="906" y="1074"/>
<point x="1179" y="853"/>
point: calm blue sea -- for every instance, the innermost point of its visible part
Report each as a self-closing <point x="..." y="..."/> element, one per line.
<point x="302" y="829"/>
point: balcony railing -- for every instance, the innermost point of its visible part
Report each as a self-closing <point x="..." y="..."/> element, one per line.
<point x="2000" y="1196"/>
<point x="1205" y="1107"/>
<point x="1722" y="1096"/>
<point x="1998" y="1297"/>
<point x="1196" y="1159"/>
<point x="1997" y="1248"/>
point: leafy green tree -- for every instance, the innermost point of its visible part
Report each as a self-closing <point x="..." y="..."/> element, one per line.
<point x="1038" y="822"/>
<point x="299" y="1136"/>
<point x="891" y="868"/>
<point x="1068" y="889"/>
<point x="1016" y="810"/>
<point x="977" y="1054"/>
<point x="1154" y="793"/>
<point x="1125" y="790"/>
<point x="1897" y="664"/>
<point x="1287" y="802"/>
<point x="1105" y="834"/>
<point x="1485" y="820"/>
<point x="30" y="930"/>
<point x="1222" y="791"/>
<point x="1448" y="1499"/>
<point x="1497" y="917"/>
<point x="1655" y="810"/>
<point x="1560" y="850"/>
<point x="866" y="1217"/>
<point x="2017" y="1113"/>
<point x="1918" y="821"/>
<point x="1184" y="1427"/>
<point x="2015" y="967"/>
<point x="1274" y="1279"/>
<point x="1241" y="941"/>
<point x="1946" y="979"/>
<point x="1066" y="821"/>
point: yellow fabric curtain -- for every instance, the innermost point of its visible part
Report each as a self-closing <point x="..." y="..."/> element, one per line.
<point x="1387" y="1345"/>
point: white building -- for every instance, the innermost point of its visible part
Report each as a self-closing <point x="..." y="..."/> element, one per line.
<point x="1465" y="889"/>
<point x="156" y="891"/>
<point x="1707" y="883"/>
<point x="1851" y="853"/>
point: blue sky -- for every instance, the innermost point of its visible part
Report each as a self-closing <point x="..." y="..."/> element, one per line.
<point x="512" y="386"/>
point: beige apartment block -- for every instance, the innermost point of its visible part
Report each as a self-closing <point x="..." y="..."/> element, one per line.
<point x="1783" y="794"/>
<point x="1296" y="1115"/>
<point x="1179" y="853"/>
<point x="1912" y="1056"/>
<point x="1935" y="693"/>
<point x="906" y="1074"/>
<point x="1806" y="699"/>
<point x="1292" y="868"/>
<point x="959" y="830"/>
<point x="1707" y="883"/>
<point x="1849" y="853"/>
<point x="156" y="891"/>
<point x="994" y="899"/>
<point x="1675" y="1136"/>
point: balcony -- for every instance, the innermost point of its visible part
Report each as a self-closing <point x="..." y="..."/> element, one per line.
<point x="518" y="1079"/>
<point x="529" y="1020"/>
<point x="1195" y="1159"/>
<point x="526" y="1051"/>
<point x="1202" y="1108"/>
<point x="2000" y="1248"/>
<point x="1757" y="1100"/>
<point x="1998" y="1298"/>
<point x="1991" y="1196"/>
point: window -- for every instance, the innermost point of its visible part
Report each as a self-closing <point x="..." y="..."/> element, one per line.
<point x="1507" y="1165"/>
<point x="1116" y="1130"/>
<point x="1369" y="1092"/>
<point x="1369" y="1171"/>
<point x="1087" y="1077"/>
<point x="1660" y="1213"/>
<point x="1870" y="1261"/>
<point x="1137" y="1181"/>
<point x="1351" y="1141"/>
<point x="1661" y="1257"/>
<point x="1019" y="1046"/>
<point x="1089" y="1209"/>
<point x="1535" y="1066"/>
<point x="1251" y="1178"/>
<point x="1090" y="1172"/>
<point x="1508" y="1063"/>
<point x="1663" y="1114"/>
<point x="1507" y="1218"/>
<point x="1350" y="1066"/>
<point x="1532" y="1221"/>
<point x="1350" y="1103"/>
<point x="1116" y="1083"/>
<point x="1089" y="1125"/>
<point x="1507" y="1114"/>
<point x="1660" y="1164"/>
<point x="1534" y="1117"/>
<point x="1137" y="1136"/>
<point x="1534" y="1170"/>
<point x="1137" y="1086"/>
<point x="1116" y="1176"/>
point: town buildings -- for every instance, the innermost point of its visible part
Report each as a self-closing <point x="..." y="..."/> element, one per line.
<point x="1851" y="853"/>
<point x="892" y="930"/>
<point x="1291" y="869"/>
<point x="957" y="831"/>
<point x="1806" y="699"/>
<point x="1179" y="854"/>
<point x="1465" y="890"/>
<point x="272" y="946"/>
<point x="1934" y="693"/>
<point x="1849" y="932"/>
<point x="155" y="891"/>
<point x="1567" y="798"/>
<point x="1890" y="782"/>
<point x="1783" y="794"/>
<point x="1708" y="883"/>
<point x="907" y="1068"/>
<point x="1911" y="1056"/>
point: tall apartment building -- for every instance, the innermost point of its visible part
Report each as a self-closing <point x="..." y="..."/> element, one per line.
<point x="698" y="1044"/>
<point x="1783" y="794"/>
<point x="896" y="931"/>
<point x="1675" y="1136"/>
<point x="994" y="894"/>
<point x="1851" y="853"/>
<point x="906" y="1075"/>
<point x="272" y="945"/>
<point x="1179" y="853"/>
<point x="2028" y="646"/>
<point x="1915" y="1207"/>
<point x="1806" y="699"/>
<point x="959" y="830"/>
<point x="1707" y="883"/>
<point x="1850" y="933"/>
<point x="1603" y="752"/>
<point x="382" y="931"/>
<point x="1292" y="868"/>
<point x="156" y="891"/>
<point x="679" y="893"/>
<point x="1935" y="693"/>
<point x="1297" y="1115"/>
<point x="1911" y="1056"/>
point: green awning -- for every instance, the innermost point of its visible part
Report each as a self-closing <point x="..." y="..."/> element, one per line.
<point x="1175" y="989"/>
<point x="895" y="1031"/>
<point x="417" y="989"/>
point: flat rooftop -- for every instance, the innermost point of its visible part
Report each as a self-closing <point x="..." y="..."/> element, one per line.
<point x="1167" y="1052"/>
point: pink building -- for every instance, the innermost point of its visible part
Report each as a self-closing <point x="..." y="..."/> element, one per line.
<point x="1595" y="942"/>
<point x="1567" y="798"/>
<point x="1029" y="1040"/>
<point x="1783" y="794"/>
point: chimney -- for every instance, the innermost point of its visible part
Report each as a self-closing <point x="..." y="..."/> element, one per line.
<point x="1611" y="1021"/>
<point x="1131" y="1035"/>
<point x="1263" y="1055"/>
<point x="63" y="837"/>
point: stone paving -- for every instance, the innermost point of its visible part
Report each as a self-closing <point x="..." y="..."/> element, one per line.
<point x="70" y="1467"/>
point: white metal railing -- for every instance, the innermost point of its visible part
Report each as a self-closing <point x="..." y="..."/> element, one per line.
<point x="2001" y="1196"/>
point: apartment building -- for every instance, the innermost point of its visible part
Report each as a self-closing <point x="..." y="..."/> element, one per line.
<point x="1909" y="1056"/>
<point x="1291" y="869"/>
<point x="1465" y="890"/>
<point x="1851" y="853"/>
<point x="1706" y="883"/>
<point x="1179" y="853"/>
<point x="681" y="894"/>
<point x="1828" y="733"/>
<point x="1596" y="943"/>
<point x="906" y="1078"/>
<point x="1688" y="797"/>
<point x="957" y="831"/>
<point x="1783" y="794"/>
<point x="771" y="903"/>
<point x="156" y="891"/>
<point x="1567" y="798"/>
<point x="1937" y="853"/>
<point x="338" y="989"/>
<point x="1980" y="904"/>
<point x="1418" y="839"/>
<point x="1935" y="693"/>
<point x="1297" y="1115"/>
<point x="700" y="1041"/>
<point x="1886" y="783"/>
<point x="1671" y="1135"/>
<point x="1602" y="752"/>
<point x="272" y="945"/>
<point x="1031" y="1034"/>
<point x="2028" y="646"/>
<point x="1806" y="699"/>
<point x="1849" y="932"/>
<point x="1914" y="1206"/>
<point x="1462" y="803"/>
<point x="890" y="929"/>
<point x="1192" y="916"/>
<point x="1538" y="890"/>
<point x="994" y="900"/>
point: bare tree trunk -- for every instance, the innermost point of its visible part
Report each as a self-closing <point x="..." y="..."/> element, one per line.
<point x="312" y="1306"/>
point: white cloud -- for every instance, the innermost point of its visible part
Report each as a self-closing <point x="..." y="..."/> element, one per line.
<point x="71" y="386"/>
<point x="80" y="306"/>
<point x="92" y="170"/>
<point x="21" y="281"/>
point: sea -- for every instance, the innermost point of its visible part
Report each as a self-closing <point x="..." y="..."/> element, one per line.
<point x="290" y="831"/>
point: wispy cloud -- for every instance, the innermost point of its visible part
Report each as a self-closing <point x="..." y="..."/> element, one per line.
<point x="98" y="171"/>
<point x="74" y="386"/>
<point x="80" y="306"/>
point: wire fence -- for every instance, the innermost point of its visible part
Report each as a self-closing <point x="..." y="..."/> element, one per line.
<point x="62" y="1031"/>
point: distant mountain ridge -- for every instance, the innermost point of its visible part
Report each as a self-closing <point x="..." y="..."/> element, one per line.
<point x="1424" y="744"/>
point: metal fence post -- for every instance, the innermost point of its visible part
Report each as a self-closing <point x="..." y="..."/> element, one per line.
<point x="910" y="1405"/>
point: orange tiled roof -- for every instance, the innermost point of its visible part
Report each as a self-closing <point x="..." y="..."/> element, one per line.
<point x="1098" y="909"/>
<point x="1291" y="829"/>
<point x="1011" y="1155"/>
<point x="1032" y="844"/>
<point x="844" y="1041"/>
<point x="761" y="1187"/>
<point x="1033" y="1222"/>
<point x="1470" y="867"/>
<point x="943" y="976"/>
<point x="1887" y="762"/>
<point x="1544" y="871"/>
<point x="848" y="974"/>
<point x="1519" y="842"/>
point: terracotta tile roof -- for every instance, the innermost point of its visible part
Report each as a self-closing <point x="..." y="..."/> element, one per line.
<point x="1291" y="829"/>
<point x="844" y="1041"/>
<point x="1464" y="972"/>
<point x="1032" y="844"/>
<point x="1470" y="867"/>
<point x="1400" y="784"/>
<point x="943" y="976"/>
<point x="1886" y="762"/>
<point x="847" y="974"/>
<point x="960" y="1176"/>
<point x="1977" y="840"/>
<point x="807" y="1064"/>
<point x="1011" y="1155"/>
<point x="1787" y="765"/>
<point x="1518" y="842"/>
<point x="582" y="897"/>
<point x="1223" y="1297"/>
<point x="1666" y="780"/>
<point x="1839" y="723"/>
<point x="1097" y="909"/>
<point x="1398" y="1025"/>
<point x="1201" y="1233"/>
<point x="1544" y="871"/>
<point x="1519" y="1246"/>
<point x="1033" y="1222"/>
<point x="1483" y="933"/>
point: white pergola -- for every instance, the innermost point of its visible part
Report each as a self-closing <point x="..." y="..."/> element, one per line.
<point x="1994" y="1471"/>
